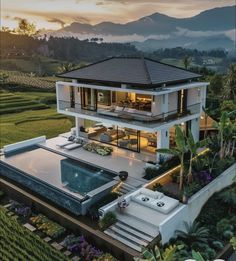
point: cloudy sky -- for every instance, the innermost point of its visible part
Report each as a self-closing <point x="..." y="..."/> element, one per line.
<point x="54" y="14"/>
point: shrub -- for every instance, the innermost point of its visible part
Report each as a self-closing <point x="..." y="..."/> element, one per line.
<point x="224" y="225"/>
<point x="48" y="100"/>
<point x="93" y="211"/>
<point x="108" y="220"/>
<point x="2" y="194"/>
<point x="217" y="245"/>
<point x="167" y="165"/>
<point x="228" y="234"/>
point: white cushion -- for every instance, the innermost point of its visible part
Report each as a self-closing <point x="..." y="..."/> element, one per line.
<point x="150" y="193"/>
<point x="131" y="110"/>
<point x="168" y="204"/>
<point x="118" y="108"/>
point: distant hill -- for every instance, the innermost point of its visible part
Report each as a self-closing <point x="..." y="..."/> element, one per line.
<point x="213" y="28"/>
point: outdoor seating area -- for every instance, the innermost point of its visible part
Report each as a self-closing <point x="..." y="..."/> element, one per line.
<point x="72" y="142"/>
<point x="132" y="113"/>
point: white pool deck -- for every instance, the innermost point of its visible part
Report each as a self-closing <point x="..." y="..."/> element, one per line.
<point x="119" y="160"/>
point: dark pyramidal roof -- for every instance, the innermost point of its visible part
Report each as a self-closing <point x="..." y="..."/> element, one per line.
<point x="132" y="71"/>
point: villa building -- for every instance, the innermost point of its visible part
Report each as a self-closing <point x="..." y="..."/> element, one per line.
<point x="132" y="103"/>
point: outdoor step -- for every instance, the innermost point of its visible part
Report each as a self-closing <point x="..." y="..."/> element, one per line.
<point x="122" y="240"/>
<point x="129" y="236"/>
<point x="128" y="186"/>
<point x="135" y="223"/>
<point x="143" y="226"/>
<point x="122" y="190"/>
<point x="134" y="231"/>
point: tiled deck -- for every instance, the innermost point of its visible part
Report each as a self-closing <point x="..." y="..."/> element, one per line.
<point x="120" y="159"/>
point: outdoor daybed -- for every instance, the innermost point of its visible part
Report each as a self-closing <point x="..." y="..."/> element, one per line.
<point x="155" y="200"/>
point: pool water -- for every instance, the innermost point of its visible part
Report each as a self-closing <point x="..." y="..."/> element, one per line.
<point x="61" y="172"/>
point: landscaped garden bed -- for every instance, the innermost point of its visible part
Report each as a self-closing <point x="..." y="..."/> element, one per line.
<point x="197" y="170"/>
<point x="36" y="232"/>
<point x="203" y="239"/>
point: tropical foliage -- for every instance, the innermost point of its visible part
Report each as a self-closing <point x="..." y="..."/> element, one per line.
<point x="195" y="234"/>
<point x="157" y="255"/>
<point x="179" y="151"/>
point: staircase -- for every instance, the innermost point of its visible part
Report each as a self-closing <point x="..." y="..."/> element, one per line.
<point x="129" y="234"/>
<point x="123" y="188"/>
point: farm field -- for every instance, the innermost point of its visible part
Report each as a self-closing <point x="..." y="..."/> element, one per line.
<point x="25" y="115"/>
<point x="21" y="244"/>
<point x="29" y="79"/>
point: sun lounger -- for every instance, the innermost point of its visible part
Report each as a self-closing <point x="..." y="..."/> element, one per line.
<point x="63" y="144"/>
<point x="73" y="146"/>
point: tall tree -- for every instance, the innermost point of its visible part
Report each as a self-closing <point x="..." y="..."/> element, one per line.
<point x="26" y="28"/>
<point x="186" y="61"/>
<point x="216" y="84"/>
<point x="230" y="83"/>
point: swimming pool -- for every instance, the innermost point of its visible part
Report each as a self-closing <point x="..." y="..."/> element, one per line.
<point x="56" y="177"/>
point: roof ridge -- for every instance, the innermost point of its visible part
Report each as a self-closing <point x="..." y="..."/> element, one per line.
<point x="85" y="66"/>
<point x="173" y="66"/>
<point x="146" y="69"/>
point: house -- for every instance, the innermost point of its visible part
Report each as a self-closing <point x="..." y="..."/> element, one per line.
<point x="132" y="103"/>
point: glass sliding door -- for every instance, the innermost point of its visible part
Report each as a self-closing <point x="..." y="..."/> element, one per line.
<point x="89" y="99"/>
<point x="128" y="139"/>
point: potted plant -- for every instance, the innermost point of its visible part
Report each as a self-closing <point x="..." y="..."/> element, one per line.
<point x="123" y="175"/>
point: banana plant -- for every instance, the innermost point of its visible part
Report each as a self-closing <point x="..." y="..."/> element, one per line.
<point x="197" y="256"/>
<point x="193" y="147"/>
<point x="155" y="255"/>
<point x="179" y="151"/>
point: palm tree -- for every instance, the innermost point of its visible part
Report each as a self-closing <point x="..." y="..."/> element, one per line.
<point x="226" y="135"/>
<point x="66" y="67"/>
<point x="194" y="234"/>
<point x="230" y="83"/>
<point x="193" y="147"/>
<point x="179" y="151"/>
<point x="186" y="61"/>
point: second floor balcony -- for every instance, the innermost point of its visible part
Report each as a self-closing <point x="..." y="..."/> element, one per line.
<point x="129" y="114"/>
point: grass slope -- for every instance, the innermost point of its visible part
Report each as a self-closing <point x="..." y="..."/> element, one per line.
<point x="30" y="123"/>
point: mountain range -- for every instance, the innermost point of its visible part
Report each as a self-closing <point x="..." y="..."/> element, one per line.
<point x="214" y="28"/>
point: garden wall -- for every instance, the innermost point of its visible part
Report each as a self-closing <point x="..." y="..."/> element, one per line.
<point x="190" y="211"/>
<point x="66" y="219"/>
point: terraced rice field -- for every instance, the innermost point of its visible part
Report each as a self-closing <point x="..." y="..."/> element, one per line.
<point x="10" y="103"/>
<point x="25" y="115"/>
<point x="29" y="79"/>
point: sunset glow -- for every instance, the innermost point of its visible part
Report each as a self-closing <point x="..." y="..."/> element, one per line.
<point x="54" y="14"/>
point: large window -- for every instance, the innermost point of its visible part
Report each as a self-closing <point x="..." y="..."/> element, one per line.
<point x="88" y="99"/>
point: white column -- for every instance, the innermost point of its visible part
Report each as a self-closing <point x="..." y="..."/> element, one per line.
<point x="165" y="104"/>
<point x="78" y="123"/>
<point x="195" y="128"/>
<point x="163" y="141"/>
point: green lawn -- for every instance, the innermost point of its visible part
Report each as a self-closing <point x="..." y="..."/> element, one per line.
<point x="30" y="123"/>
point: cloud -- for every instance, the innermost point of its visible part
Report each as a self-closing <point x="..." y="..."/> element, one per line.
<point x="111" y="38"/>
<point x="57" y="21"/>
<point x="16" y="18"/>
<point x="231" y="34"/>
<point x="81" y="19"/>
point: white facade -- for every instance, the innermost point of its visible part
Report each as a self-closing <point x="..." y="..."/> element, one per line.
<point x="167" y="106"/>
